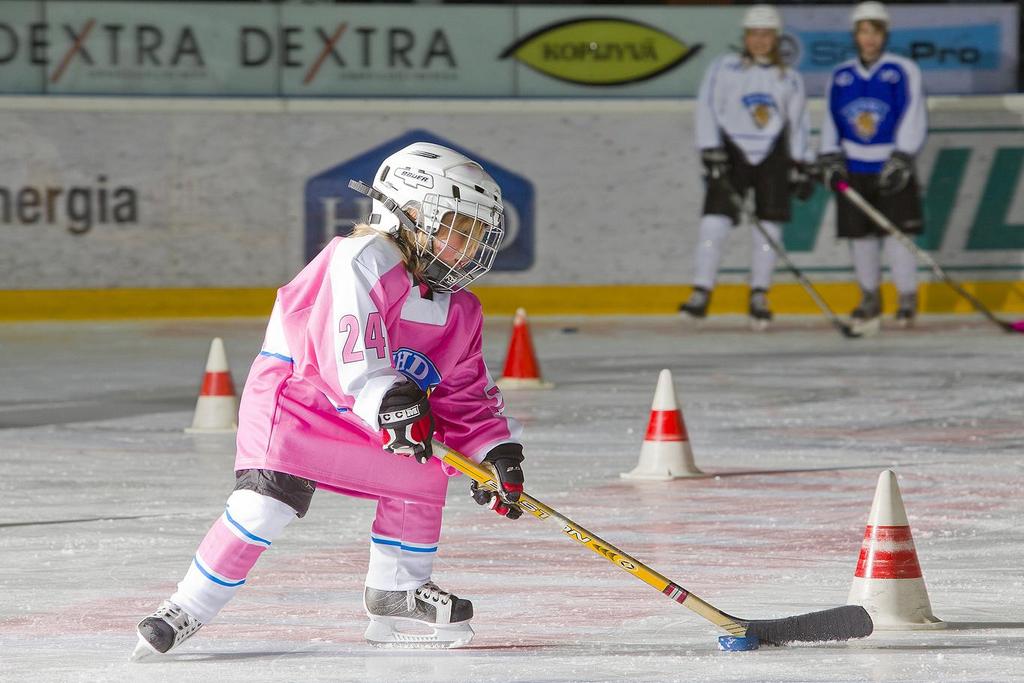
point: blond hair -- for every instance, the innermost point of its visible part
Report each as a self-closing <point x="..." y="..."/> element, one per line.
<point x="407" y="247"/>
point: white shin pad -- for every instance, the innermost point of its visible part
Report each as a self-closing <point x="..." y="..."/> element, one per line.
<point x="708" y="254"/>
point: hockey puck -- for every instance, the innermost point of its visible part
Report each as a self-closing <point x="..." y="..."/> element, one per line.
<point x="737" y="644"/>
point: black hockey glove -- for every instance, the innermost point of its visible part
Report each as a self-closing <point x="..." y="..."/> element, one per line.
<point x="832" y="169"/>
<point x="800" y="181"/>
<point x="505" y="462"/>
<point x="896" y="173"/>
<point x="406" y="425"/>
<point x="716" y="166"/>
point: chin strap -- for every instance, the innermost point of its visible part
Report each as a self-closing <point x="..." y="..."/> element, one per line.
<point x="389" y="203"/>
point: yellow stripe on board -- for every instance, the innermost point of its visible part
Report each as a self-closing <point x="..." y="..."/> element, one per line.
<point x="786" y="299"/>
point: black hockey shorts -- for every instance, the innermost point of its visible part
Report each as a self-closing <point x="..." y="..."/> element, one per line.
<point x="902" y="208"/>
<point x="769" y="180"/>
<point x="293" y="491"/>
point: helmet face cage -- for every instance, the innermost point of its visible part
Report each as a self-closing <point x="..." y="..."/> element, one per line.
<point x="457" y="240"/>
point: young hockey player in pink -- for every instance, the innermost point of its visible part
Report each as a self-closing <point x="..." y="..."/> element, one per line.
<point x="373" y="349"/>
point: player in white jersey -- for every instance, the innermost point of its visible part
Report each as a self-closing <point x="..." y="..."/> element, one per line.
<point x="752" y="130"/>
<point x="875" y="124"/>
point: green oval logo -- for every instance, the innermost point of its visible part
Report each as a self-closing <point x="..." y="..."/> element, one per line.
<point x="601" y="51"/>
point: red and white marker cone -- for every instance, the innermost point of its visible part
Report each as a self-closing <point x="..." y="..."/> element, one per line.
<point x="888" y="582"/>
<point x="665" y="453"/>
<point x="217" y="406"/>
<point x="521" y="368"/>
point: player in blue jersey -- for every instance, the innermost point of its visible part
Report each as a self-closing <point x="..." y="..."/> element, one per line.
<point x="875" y="125"/>
<point x="752" y="130"/>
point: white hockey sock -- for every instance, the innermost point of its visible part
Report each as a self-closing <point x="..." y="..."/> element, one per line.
<point x="903" y="265"/>
<point x="866" y="253"/>
<point x="708" y="254"/>
<point x="762" y="256"/>
<point x="403" y="544"/>
<point x="250" y="523"/>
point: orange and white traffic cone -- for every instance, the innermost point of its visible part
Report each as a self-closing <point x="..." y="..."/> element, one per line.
<point x="888" y="582"/>
<point x="665" y="453"/>
<point x="217" y="406"/>
<point x="521" y="368"/>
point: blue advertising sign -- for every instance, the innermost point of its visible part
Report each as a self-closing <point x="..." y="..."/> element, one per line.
<point x="332" y="208"/>
<point x="939" y="47"/>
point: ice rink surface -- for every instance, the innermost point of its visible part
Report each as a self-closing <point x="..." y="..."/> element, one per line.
<point x="103" y="499"/>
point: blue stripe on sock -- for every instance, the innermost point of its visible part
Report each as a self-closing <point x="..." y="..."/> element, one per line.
<point x="278" y="356"/>
<point x="244" y="530"/>
<point x="213" y="578"/>
<point x="412" y="549"/>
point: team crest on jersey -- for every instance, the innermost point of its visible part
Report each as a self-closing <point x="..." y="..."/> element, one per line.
<point x="864" y="115"/>
<point x="761" y="107"/>
<point x="889" y="76"/>
<point x="844" y="79"/>
<point x="417" y="367"/>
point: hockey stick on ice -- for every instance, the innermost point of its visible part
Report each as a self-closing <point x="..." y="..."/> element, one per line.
<point x="838" y="623"/>
<point x="844" y="328"/>
<point x="885" y="224"/>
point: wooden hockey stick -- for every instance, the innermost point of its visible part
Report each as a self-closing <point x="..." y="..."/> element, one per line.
<point x="845" y="329"/>
<point x="838" y="623"/>
<point x="885" y="224"/>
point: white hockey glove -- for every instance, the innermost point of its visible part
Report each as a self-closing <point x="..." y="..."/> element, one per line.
<point x="406" y="424"/>
<point x="716" y="165"/>
<point x="505" y="462"/>
<point x="896" y="173"/>
<point x="832" y="169"/>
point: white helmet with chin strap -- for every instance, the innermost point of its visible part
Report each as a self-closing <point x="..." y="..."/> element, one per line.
<point x="763" y="16"/>
<point x="869" y="11"/>
<point x="459" y="216"/>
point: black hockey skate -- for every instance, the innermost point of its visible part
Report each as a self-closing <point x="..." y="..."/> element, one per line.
<point x="866" y="319"/>
<point x="696" y="307"/>
<point x="168" y="627"/>
<point x="760" y="314"/>
<point x="906" y="312"/>
<point x="427" y="617"/>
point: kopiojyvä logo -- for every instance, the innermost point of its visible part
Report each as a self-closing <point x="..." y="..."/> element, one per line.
<point x="333" y="209"/>
<point x="603" y="51"/>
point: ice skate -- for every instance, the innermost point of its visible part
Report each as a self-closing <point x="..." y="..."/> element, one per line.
<point x="906" y="312"/>
<point x="427" y="617"/>
<point x="866" y="319"/>
<point x="760" y="314"/>
<point x="696" y="307"/>
<point x="164" y="630"/>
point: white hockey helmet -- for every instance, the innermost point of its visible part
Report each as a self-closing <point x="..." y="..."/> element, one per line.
<point x="459" y="221"/>
<point x="763" y="16"/>
<point x="869" y="11"/>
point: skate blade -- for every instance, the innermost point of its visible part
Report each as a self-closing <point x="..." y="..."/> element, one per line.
<point x="143" y="651"/>
<point x="759" y="324"/>
<point x="866" y="328"/>
<point x="401" y="633"/>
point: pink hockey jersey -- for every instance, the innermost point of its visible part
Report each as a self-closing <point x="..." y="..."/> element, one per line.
<point x="350" y="325"/>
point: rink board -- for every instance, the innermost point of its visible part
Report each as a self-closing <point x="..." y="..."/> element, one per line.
<point x="143" y="197"/>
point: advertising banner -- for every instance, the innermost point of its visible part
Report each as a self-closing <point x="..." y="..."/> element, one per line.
<point x="961" y="49"/>
<point x="424" y="51"/>
<point x="618" y="51"/>
<point x="240" y="193"/>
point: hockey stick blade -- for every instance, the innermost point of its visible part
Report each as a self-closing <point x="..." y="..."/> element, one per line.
<point x="838" y="623"/>
<point x="847" y="331"/>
